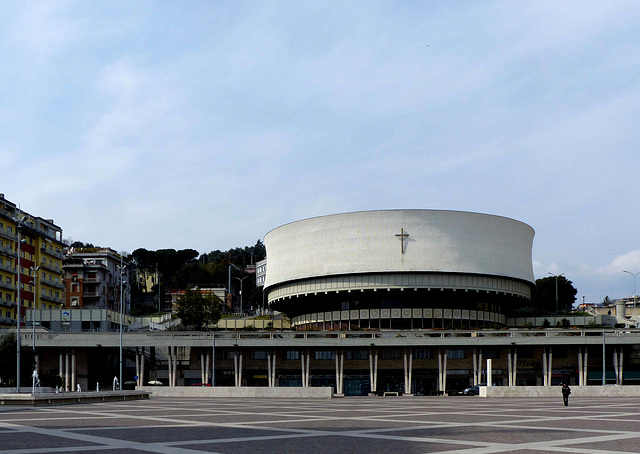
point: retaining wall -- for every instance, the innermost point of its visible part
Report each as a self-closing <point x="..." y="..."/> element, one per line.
<point x="556" y="391"/>
<point x="244" y="391"/>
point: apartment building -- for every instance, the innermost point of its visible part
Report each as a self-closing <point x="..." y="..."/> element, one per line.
<point x="30" y="263"/>
<point x="92" y="279"/>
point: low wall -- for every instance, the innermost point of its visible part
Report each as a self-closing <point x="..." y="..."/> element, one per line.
<point x="555" y="391"/>
<point x="244" y="391"/>
<point x="40" y="399"/>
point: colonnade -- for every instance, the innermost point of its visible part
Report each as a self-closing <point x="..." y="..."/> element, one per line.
<point x="67" y="369"/>
<point x="68" y="366"/>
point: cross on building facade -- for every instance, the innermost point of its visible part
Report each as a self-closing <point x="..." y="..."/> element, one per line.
<point x="402" y="236"/>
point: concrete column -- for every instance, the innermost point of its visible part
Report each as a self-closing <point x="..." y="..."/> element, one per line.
<point x="137" y="367"/>
<point x="510" y="368"/>
<point x="170" y="366"/>
<point x="240" y="370"/>
<point x="206" y="368"/>
<point x="617" y="364"/>
<point x="408" y="363"/>
<point x="202" y="366"/>
<point x="373" y="370"/>
<point x="580" y="369"/>
<point x="273" y="370"/>
<point x="303" y="369"/>
<point x="61" y="367"/>
<point x="269" y="369"/>
<point x="442" y="370"/>
<point x="479" y="379"/>
<point x="621" y="367"/>
<point x="545" y="374"/>
<point x="475" y="366"/>
<point x="308" y="365"/>
<point x="340" y="372"/>
<point x="235" y="367"/>
<point x="141" y="376"/>
<point x="66" y="371"/>
<point x="439" y="370"/>
<point x="175" y="366"/>
<point x="489" y="372"/>
<point x="73" y="370"/>
<point x="550" y="366"/>
<point x="337" y="359"/>
<point x="515" y="368"/>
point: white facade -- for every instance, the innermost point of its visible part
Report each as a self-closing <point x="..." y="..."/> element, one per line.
<point x="369" y="242"/>
<point x="398" y="250"/>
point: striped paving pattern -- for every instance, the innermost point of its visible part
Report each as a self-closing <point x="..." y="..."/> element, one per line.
<point x="455" y="425"/>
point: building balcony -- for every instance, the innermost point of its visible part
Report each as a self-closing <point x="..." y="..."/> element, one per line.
<point x="52" y="283"/>
<point x="51" y="267"/>
<point x="52" y="253"/>
<point x="8" y="251"/>
<point x="91" y="295"/>
<point x="6" y="303"/>
<point x="7" y="285"/>
<point x="9" y="235"/>
<point x="9" y="268"/>
<point x="52" y="298"/>
<point x="7" y="321"/>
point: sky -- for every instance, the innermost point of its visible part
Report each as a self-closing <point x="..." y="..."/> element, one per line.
<point x="205" y="124"/>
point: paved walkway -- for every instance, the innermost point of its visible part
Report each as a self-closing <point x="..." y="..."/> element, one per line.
<point x="403" y="425"/>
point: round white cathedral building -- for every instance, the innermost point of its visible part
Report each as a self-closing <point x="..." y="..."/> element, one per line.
<point x="399" y="269"/>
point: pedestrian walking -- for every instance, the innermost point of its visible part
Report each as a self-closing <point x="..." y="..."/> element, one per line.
<point x="565" y="394"/>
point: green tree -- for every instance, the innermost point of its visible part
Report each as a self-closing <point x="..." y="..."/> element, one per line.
<point x="544" y="294"/>
<point x="9" y="361"/>
<point x="198" y="310"/>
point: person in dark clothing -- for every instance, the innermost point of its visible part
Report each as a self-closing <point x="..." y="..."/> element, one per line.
<point x="565" y="394"/>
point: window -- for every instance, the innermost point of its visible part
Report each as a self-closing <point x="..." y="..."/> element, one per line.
<point x="258" y="354"/>
<point x="457" y="354"/>
<point x="357" y="354"/>
<point x="292" y="354"/>
<point x="490" y="353"/>
<point x="422" y="353"/>
<point x="390" y="354"/>
<point x="325" y="354"/>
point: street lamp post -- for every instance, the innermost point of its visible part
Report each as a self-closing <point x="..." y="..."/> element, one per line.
<point x="18" y="307"/>
<point x="121" y="315"/>
<point x="33" y="311"/>
<point x="557" y="276"/>
<point x="241" y="279"/>
<point x="18" y="221"/>
<point x="635" y="308"/>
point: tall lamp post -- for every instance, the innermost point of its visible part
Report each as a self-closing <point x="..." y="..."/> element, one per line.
<point x="33" y="311"/>
<point x="241" y="279"/>
<point x="634" y="289"/>
<point x="557" y="276"/>
<point x="18" y="220"/>
<point x="121" y="315"/>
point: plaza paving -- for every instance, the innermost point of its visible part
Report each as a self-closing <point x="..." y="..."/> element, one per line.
<point x="465" y="425"/>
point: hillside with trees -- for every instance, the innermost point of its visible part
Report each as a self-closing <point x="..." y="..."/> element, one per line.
<point x="187" y="268"/>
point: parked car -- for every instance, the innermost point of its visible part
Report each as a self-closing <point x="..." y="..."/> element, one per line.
<point x="474" y="390"/>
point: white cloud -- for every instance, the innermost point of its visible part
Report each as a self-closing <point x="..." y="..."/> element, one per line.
<point x="626" y="262"/>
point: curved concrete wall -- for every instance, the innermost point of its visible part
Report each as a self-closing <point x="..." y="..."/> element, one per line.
<point x="369" y="242"/>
